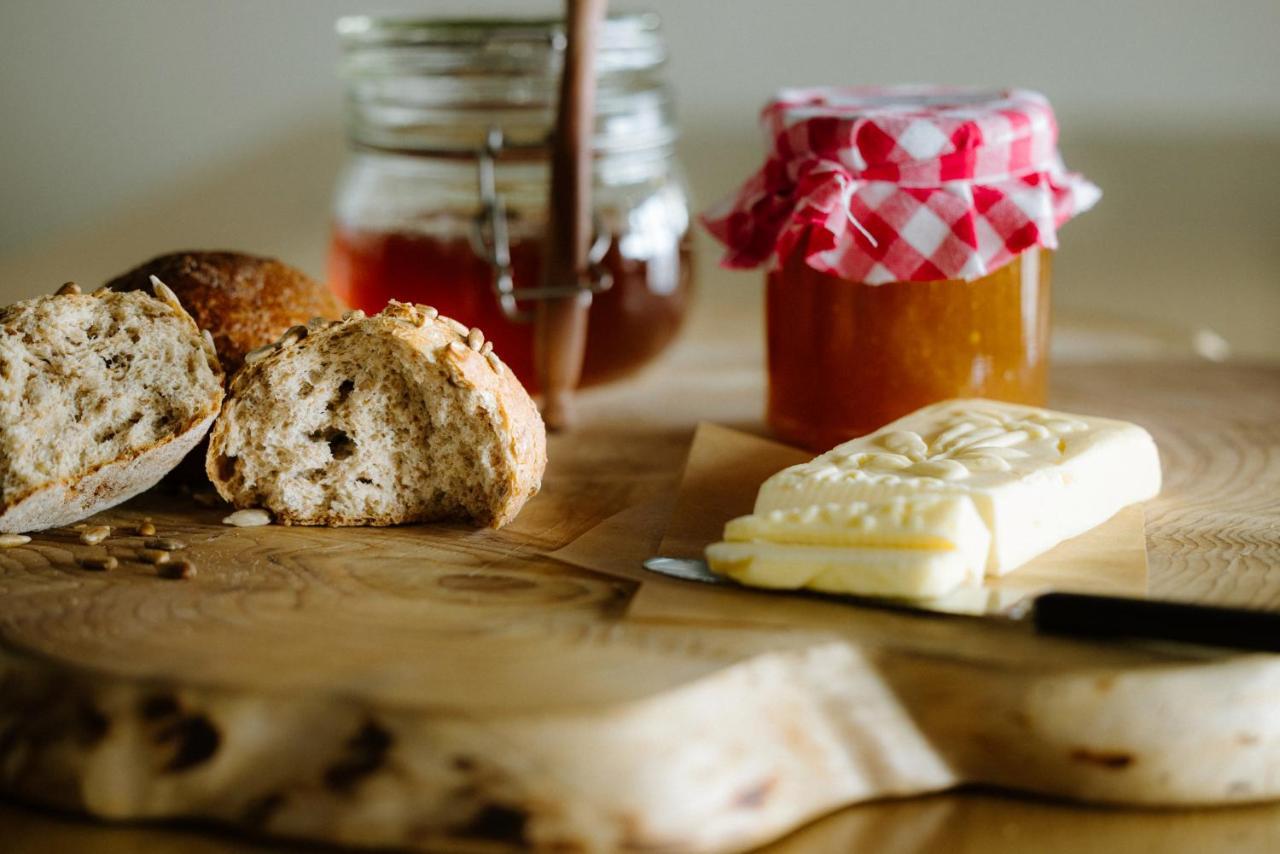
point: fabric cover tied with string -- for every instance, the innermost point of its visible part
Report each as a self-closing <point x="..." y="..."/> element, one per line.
<point x="880" y="185"/>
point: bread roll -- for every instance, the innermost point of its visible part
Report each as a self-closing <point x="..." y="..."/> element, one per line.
<point x="401" y="417"/>
<point x="100" y="395"/>
<point x="243" y="300"/>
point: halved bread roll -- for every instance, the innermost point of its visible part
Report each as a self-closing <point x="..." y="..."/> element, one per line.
<point x="401" y="417"/>
<point x="100" y="396"/>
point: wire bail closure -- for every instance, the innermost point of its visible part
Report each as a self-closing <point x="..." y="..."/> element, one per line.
<point x="492" y="241"/>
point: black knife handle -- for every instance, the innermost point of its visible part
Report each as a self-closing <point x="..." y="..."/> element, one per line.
<point x="1083" y="615"/>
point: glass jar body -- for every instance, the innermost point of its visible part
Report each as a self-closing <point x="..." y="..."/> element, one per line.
<point x="450" y="124"/>
<point x="845" y="358"/>
<point x="405" y="227"/>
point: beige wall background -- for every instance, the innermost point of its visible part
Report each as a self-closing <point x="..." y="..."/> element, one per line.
<point x="135" y="127"/>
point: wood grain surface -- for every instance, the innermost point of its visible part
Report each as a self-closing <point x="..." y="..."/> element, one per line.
<point x="445" y="688"/>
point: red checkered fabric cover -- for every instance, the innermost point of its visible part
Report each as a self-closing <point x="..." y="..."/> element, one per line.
<point x="902" y="184"/>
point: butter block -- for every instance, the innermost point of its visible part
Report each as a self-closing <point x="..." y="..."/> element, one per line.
<point x="905" y="547"/>
<point x="1036" y="477"/>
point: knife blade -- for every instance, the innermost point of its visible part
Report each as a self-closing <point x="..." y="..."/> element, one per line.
<point x="1083" y="615"/>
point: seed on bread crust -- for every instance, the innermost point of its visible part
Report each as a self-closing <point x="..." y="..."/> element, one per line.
<point x="457" y="326"/>
<point x="249" y="518"/>
<point x="96" y="534"/>
<point x="475" y="339"/>
<point x="99" y="562"/>
<point x="69" y="289"/>
<point x="163" y="292"/>
<point x="429" y="311"/>
<point x="353" y="314"/>
<point x="167" y="544"/>
<point x="494" y="362"/>
<point x="257" y="354"/>
<point x="8" y="541"/>
<point x="293" y="335"/>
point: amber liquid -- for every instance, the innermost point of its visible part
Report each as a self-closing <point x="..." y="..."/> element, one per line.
<point x="627" y="325"/>
<point x="846" y="358"/>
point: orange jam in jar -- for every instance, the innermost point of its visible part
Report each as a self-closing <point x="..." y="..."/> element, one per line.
<point x="907" y="233"/>
<point x="845" y="357"/>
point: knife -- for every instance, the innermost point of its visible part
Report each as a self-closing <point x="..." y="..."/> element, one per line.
<point x="1082" y="615"/>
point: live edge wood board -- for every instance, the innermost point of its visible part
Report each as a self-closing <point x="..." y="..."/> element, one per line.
<point x="437" y="687"/>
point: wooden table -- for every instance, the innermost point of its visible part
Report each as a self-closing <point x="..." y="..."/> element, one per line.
<point x="1215" y="532"/>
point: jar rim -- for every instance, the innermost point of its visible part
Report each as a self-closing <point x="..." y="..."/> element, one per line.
<point x="623" y="31"/>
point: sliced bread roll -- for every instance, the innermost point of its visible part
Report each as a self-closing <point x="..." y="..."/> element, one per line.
<point x="401" y="417"/>
<point x="100" y="395"/>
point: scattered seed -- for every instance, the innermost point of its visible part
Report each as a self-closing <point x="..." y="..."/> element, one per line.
<point x="250" y="518"/>
<point x="8" y="541"/>
<point x="100" y="563"/>
<point x="177" y="569"/>
<point x="96" y="534"/>
<point x="68" y="290"/>
<point x="165" y="544"/>
<point x="153" y="556"/>
<point x="146" y="529"/>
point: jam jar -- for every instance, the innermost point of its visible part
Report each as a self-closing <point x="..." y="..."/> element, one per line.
<point x="443" y="199"/>
<point x="907" y="235"/>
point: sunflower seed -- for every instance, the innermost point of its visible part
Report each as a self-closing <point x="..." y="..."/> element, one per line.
<point x="100" y="563"/>
<point x="165" y="544"/>
<point x="8" y="541"/>
<point x="96" y="534"/>
<point x="249" y="518"/>
<point x="68" y="290"/>
<point x="178" y="569"/>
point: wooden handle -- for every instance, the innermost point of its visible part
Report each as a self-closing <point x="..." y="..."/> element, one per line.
<point x="562" y="322"/>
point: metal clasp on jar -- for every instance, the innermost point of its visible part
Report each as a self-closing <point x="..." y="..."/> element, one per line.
<point x="493" y="243"/>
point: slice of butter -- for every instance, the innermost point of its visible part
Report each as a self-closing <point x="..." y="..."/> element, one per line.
<point x="896" y="573"/>
<point x="1035" y="476"/>
<point x="912" y="546"/>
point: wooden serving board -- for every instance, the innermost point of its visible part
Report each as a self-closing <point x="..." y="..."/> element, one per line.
<point x="439" y="687"/>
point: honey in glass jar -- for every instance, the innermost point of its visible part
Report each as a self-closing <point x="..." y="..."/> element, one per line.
<point x="907" y="234"/>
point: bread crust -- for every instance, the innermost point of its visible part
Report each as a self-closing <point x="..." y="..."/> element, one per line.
<point x="70" y="499"/>
<point x="435" y="343"/>
<point x="244" y="300"/>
